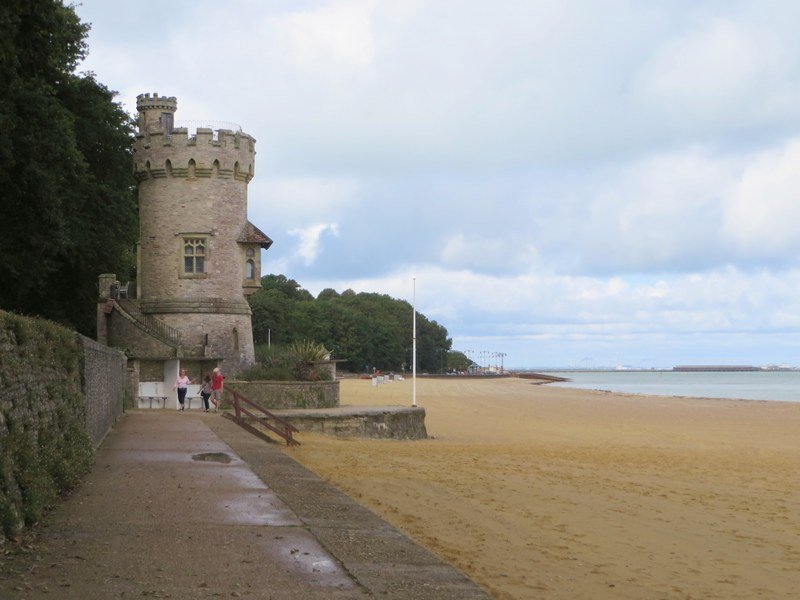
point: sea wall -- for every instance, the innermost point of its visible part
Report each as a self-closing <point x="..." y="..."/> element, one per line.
<point x="387" y="422"/>
<point x="59" y="394"/>
<point x="289" y="394"/>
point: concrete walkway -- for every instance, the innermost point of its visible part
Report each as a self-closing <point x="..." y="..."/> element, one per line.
<point x="189" y="505"/>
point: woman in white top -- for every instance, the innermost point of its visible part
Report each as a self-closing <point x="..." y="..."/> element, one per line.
<point x="181" y="385"/>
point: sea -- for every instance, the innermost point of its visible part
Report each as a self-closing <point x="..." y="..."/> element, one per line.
<point x="780" y="385"/>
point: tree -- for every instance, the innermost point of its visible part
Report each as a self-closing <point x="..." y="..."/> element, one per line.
<point x="66" y="187"/>
<point x="288" y="287"/>
<point x="366" y="330"/>
<point x="457" y="361"/>
<point x="328" y="294"/>
<point x="271" y="317"/>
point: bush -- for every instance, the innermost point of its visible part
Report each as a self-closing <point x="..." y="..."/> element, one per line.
<point x="296" y="362"/>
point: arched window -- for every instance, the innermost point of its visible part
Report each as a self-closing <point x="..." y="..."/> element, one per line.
<point x="168" y="167"/>
<point x="194" y="255"/>
<point x="251" y="269"/>
<point x="215" y="168"/>
<point x="236" y="170"/>
<point x="192" y="167"/>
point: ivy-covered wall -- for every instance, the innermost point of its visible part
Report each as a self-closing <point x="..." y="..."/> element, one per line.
<point x="47" y="430"/>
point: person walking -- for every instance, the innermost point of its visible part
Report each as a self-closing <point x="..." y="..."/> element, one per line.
<point x="205" y="391"/>
<point x="217" y="383"/>
<point x="181" y="385"/>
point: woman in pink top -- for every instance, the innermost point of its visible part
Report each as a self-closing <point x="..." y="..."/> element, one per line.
<point x="217" y="380"/>
<point x="180" y="385"/>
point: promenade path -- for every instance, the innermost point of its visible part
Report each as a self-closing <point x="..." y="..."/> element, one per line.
<point x="189" y="505"/>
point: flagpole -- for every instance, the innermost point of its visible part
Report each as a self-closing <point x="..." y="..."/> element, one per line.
<point x="414" y="348"/>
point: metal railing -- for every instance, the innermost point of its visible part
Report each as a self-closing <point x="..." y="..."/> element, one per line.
<point x="149" y="324"/>
<point x="282" y="428"/>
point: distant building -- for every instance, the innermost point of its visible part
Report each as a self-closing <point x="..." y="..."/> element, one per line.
<point x="715" y="368"/>
<point x="198" y="256"/>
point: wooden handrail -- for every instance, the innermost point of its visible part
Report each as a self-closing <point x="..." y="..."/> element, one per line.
<point x="285" y="431"/>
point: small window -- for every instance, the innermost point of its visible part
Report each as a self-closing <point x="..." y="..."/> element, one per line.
<point x="251" y="269"/>
<point x="194" y="256"/>
<point x="167" y="120"/>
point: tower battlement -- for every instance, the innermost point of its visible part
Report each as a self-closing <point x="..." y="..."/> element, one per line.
<point x="146" y="101"/>
<point x="228" y="155"/>
<point x="160" y="150"/>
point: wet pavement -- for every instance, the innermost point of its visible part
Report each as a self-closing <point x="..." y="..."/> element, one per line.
<point x="189" y="505"/>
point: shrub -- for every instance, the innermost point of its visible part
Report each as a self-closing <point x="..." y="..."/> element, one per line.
<point x="293" y="363"/>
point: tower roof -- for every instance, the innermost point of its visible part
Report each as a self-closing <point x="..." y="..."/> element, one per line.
<point x="253" y="235"/>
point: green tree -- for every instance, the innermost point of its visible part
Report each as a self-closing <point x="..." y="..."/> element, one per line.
<point x="271" y="317"/>
<point x="457" y="361"/>
<point x="288" y="287"/>
<point x="66" y="188"/>
<point x="366" y="330"/>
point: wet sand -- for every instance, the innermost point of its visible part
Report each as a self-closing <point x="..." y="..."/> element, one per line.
<point x="543" y="492"/>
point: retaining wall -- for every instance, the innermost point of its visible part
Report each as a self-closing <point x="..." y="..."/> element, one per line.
<point x="289" y="394"/>
<point x="59" y="394"/>
<point x="387" y="422"/>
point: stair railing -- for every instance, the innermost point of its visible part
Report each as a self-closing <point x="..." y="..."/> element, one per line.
<point x="148" y="323"/>
<point x="244" y="407"/>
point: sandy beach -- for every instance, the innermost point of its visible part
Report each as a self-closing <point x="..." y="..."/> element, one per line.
<point x="543" y="492"/>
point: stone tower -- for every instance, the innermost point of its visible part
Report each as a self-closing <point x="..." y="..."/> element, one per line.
<point x="198" y="255"/>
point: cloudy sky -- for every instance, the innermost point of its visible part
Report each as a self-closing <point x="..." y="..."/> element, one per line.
<point x="571" y="182"/>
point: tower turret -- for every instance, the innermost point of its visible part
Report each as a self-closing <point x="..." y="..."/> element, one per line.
<point x="156" y="112"/>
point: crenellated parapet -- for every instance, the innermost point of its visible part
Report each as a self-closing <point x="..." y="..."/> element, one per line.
<point x="163" y="151"/>
<point x="222" y="153"/>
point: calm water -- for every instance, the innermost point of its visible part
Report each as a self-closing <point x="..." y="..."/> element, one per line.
<point x="749" y="385"/>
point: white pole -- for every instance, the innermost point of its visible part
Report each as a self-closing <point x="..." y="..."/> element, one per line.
<point x="414" y="348"/>
<point x="269" y="338"/>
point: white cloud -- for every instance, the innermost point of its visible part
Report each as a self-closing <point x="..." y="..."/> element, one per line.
<point x="302" y="198"/>
<point x="707" y="70"/>
<point x="482" y="253"/>
<point x="310" y="237"/>
<point x="333" y="35"/>
<point x="763" y="209"/>
<point x="660" y="212"/>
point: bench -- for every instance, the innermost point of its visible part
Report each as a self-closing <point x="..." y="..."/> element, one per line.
<point x="150" y="399"/>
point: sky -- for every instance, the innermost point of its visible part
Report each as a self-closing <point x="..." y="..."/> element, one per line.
<point x="567" y="183"/>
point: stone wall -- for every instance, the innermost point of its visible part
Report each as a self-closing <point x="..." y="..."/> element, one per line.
<point x="104" y="383"/>
<point x="48" y="430"/>
<point x="289" y="394"/>
<point x="389" y="422"/>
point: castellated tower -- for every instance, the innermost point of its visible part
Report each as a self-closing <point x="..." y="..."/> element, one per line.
<point x="198" y="256"/>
